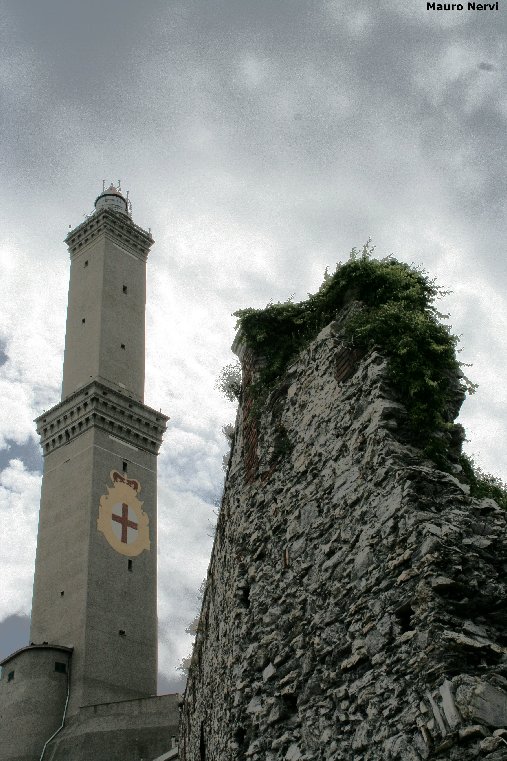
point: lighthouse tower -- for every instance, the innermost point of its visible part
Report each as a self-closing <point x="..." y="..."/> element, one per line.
<point x="94" y="610"/>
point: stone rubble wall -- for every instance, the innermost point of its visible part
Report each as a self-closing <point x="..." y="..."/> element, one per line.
<point x="355" y="601"/>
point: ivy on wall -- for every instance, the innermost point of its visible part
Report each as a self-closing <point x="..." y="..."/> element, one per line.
<point x="398" y="316"/>
<point x="483" y="484"/>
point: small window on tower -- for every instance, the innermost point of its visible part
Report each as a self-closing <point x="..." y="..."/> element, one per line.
<point x="122" y="633"/>
<point x="124" y="466"/>
<point x="61" y="667"/>
<point x="86" y="263"/>
<point x="62" y="593"/>
<point x="123" y="346"/>
<point x="10" y="676"/>
<point x="130" y="564"/>
<point x="124" y="289"/>
<point x="83" y="320"/>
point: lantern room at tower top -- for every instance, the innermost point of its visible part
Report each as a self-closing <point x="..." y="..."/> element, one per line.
<point x="112" y="198"/>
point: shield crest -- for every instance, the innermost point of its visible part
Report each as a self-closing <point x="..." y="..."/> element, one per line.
<point x="122" y="519"/>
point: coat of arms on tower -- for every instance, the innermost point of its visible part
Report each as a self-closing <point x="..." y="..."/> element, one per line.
<point x="121" y="517"/>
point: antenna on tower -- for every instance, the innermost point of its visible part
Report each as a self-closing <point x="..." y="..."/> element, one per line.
<point x="103" y="185"/>
<point x="119" y="184"/>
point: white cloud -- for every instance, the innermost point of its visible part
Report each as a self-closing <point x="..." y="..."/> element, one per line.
<point x="254" y="71"/>
<point x="31" y="331"/>
<point x="359" y="22"/>
<point x="478" y="315"/>
<point x="185" y="537"/>
<point x="19" y="504"/>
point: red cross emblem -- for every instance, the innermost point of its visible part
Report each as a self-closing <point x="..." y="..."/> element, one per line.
<point x="122" y="519"/>
<point x="124" y="522"/>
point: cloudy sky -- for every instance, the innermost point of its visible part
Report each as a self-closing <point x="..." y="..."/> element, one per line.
<point x="260" y="141"/>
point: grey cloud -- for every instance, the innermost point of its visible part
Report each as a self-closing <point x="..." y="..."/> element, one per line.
<point x="170" y="684"/>
<point x="29" y="453"/>
<point x="14" y="633"/>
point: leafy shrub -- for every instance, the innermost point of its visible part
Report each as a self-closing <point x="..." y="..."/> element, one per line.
<point x="229" y="381"/>
<point x="398" y="316"/>
<point x="483" y="484"/>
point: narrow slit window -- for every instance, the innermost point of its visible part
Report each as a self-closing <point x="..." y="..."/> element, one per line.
<point x="122" y="633"/>
<point x="83" y="320"/>
<point x="86" y="263"/>
<point x="125" y="289"/>
<point x="124" y="466"/>
<point x="123" y="346"/>
<point x="10" y="676"/>
<point x="202" y="744"/>
<point x="130" y="565"/>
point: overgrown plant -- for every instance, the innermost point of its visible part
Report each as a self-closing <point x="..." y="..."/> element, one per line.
<point x="193" y="628"/>
<point x="483" y="484"/>
<point x="398" y="316"/>
<point x="229" y="381"/>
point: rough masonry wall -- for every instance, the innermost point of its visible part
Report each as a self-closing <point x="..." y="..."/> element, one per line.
<point x="355" y="601"/>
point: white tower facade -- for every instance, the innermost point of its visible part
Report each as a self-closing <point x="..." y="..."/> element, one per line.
<point x="85" y="687"/>
<point x="95" y="587"/>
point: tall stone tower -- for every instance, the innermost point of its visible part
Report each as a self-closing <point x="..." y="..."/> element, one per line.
<point x="95" y="586"/>
<point x="95" y="574"/>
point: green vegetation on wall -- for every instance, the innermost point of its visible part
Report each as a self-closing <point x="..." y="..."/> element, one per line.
<point x="483" y="484"/>
<point x="398" y="317"/>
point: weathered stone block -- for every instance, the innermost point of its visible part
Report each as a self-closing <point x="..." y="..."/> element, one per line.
<point x="362" y="562"/>
<point x="449" y="706"/>
<point x="489" y="705"/>
<point x="293" y="753"/>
